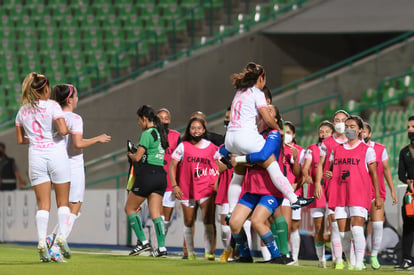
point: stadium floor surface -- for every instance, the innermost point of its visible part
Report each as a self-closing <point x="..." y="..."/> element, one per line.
<point x="23" y="259"/>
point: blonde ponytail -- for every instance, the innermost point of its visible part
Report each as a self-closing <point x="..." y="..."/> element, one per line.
<point x="33" y="87"/>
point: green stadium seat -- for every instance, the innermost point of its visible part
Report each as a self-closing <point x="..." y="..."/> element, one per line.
<point x="70" y="32"/>
<point x="392" y="96"/>
<point x="67" y="21"/>
<point x="180" y="25"/>
<point x="92" y="32"/>
<point x="124" y="60"/>
<point x="60" y="11"/>
<point x="134" y="33"/>
<point x="369" y="96"/>
<point x="145" y="3"/>
<point x="311" y="122"/>
<point x="38" y="12"/>
<point x="125" y="10"/>
<point x="74" y="67"/>
<point x="69" y="45"/>
<point x="104" y="10"/>
<point x="89" y="21"/>
<point x="170" y="12"/>
<point x="111" y="21"/>
<point x="81" y="12"/>
<point x="7" y="32"/>
<point x="30" y="65"/>
<point x="7" y="21"/>
<point x="352" y="107"/>
<point x="48" y="32"/>
<point x="7" y="44"/>
<point x="18" y="11"/>
<point x="196" y="14"/>
<point x="147" y="13"/>
<point x="25" y="21"/>
<point x="26" y="44"/>
<point x="241" y="23"/>
<point x="104" y="68"/>
<point x="259" y="13"/>
<point x="48" y="44"/>
<point x="85" y="83"/>
<point x="93" y="44"/>
<point x="330" y="109"/>
<point x="406" y="84"/>
<point x="111" y="32"/>
<point x="115" y="45"/>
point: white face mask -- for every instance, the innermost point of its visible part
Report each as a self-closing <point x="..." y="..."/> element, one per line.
<point x="340" y="127"/>
<point x="288" y="138"/>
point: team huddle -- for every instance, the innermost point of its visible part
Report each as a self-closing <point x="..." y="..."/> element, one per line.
<point x="255" y="174"/>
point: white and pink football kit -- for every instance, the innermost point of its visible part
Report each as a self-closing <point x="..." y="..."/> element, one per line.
<point x="77" y="184"/>
<point x="242" y="136"/>
<point x="197" y="170"/>
<point x="351" y="182"/>
<point x="48" y="160"/>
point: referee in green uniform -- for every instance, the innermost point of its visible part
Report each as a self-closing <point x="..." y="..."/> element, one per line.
<point x="150" y="180"/>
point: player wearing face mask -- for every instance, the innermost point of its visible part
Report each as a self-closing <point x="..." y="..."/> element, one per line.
<point x="322" y="170"/>
<point x="318" y="207"/>
<point x="354" y="175"/>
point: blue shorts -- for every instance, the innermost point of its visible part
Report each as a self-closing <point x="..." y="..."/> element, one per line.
<point x="252" y="200"/>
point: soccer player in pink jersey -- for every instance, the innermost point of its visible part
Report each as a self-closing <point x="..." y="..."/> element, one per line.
<point x="353" y="175"/>
<point x="194" y="183"/>
<point x="168" y="201"/>
<point x="322" y="183"/>
<point x="260" y="200"/>
<point x="67" y="97"/>
<point x="318" y="208"/>
<point x="291" y="161"/>
<point x="376" y="225"/>
<point x="242" y="137"/>
<point x="41" y="124"/>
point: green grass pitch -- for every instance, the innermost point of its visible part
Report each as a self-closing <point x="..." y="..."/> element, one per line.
<point x="19" y="259"/>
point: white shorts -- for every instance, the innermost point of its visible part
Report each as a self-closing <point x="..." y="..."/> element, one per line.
<point x="168" y="200"/>
<point x="344" y="212"/>
<point x="244" y="142"/>
<point x="77" y="184"/>
<point x="50" y="165"/>
<point x="192" y="203"/>
<point x="320" y="212"/>
<point x="296" y="213"/>
<point x="224" y="209"/>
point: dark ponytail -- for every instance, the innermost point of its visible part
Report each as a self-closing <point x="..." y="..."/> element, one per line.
<point x="248" y="78"/>
<point x="62" y="92"/>
<point x="148" y="112"/>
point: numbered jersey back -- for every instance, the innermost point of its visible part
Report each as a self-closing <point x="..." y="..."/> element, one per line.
<point x="244" y="109"/>
<point x="38" y="123"/>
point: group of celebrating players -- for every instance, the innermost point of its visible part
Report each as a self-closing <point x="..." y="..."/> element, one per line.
<point x="255" y="174"/>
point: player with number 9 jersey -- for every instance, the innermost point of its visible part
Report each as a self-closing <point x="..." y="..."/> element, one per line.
<point x="40" y="123"/>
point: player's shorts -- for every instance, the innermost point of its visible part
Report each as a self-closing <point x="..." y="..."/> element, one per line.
<point x="50" y="165"/>
<point x="243" y="142"/>
<point x="224" y="209"/>
<point x="320" y="212"/>
<point x="252" y="200"/>
<point x="344" y="212"/>
<point x="296" y="213"/>
<point x="77" y="184"/>
<point x="192" y="203"/>
<point x="169" y="199"/>
<point x="149" y="179"/>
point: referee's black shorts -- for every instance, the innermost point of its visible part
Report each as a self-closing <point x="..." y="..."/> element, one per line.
<point x="149" y="179"/>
